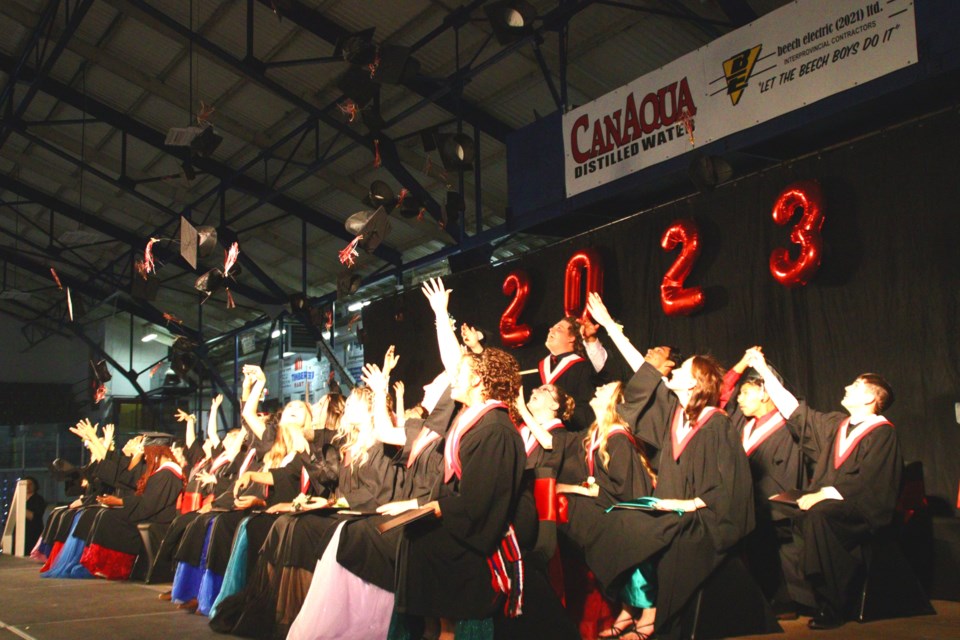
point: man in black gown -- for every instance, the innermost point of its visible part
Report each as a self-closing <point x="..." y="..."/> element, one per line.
<point x="854" y="488"/>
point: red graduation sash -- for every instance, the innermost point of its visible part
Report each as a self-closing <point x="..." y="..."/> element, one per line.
<point x="757" y="431"/>
<point x="846" y="444"/>
<point x="681" y="434"/>
<point x="595" y="445"/>
<point x="465" y="422"/>
<point x="424" y="439"/>
<point x="530" y="441"/>
<point x="169" y="466"/>
<point x="548" y="375"/>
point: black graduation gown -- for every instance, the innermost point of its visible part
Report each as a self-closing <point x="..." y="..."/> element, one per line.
<point x="580" y="382"/>
<point x="326" y="470"/>
<point x="622" y="479"/>
<point x="363" y="550"/>
<point x="712" y="466"/>
<point x="35" y="505"/>
<point x="116" y="528"/>
<point x="443" y="566"/>
<point x="831" y="532"/>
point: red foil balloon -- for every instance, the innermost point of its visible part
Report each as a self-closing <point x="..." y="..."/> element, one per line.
<point x="585" y="265"/>
<point x="513" y="335"/>
<point x="797" y="272"/>
<point x="674" y="297"/>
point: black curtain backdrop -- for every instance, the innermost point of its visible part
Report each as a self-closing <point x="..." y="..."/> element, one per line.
<point x="885" y="298"/>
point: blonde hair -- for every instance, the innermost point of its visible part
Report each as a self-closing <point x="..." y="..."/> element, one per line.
<point x="286" y="437"/>
<point x="605" y="423"/>
<point x="357" y="437"/>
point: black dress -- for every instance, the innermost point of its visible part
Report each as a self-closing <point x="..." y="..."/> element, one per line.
<point x="711" y="465"/>
<point x="867" y="475"/>
<point x="443" y="566"/>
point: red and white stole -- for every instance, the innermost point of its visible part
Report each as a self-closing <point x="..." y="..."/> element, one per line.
<point x="304" y="480"/>
<point x="530" y="442"/>
<point x="246" y="461"/>
<point x="594" y="445"/>
<point x="681" y="431"/>
<point x="757" y="431"/>
<point x="169" y="466"/>
<point x="219" y="462"/>
<point x="549" y="375"/>
<point x="425" y="438"/>
<point x="845" y="444"/>
<point x="465" y="421"/>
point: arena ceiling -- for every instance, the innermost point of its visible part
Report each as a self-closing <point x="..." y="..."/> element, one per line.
<point x="91" y="89"/>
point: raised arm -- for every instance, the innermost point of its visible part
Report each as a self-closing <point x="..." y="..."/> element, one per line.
<point x="189" y="420"/>
<point x="544" y="437"/>
<point x="785" y="401"/>
<point x="439" y="298"/>
<point x="598" y="310"/>
<point x="383" y="425"/>
<point x="213" y="421"/>
<point x="250" y="415"/>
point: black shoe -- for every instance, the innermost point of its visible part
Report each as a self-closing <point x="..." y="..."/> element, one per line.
<point x="825" y="619"/>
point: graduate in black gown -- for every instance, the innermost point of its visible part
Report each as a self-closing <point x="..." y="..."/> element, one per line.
<point x="703" y="475"/>
<point x="115" y="542"/>
<point x="854" y="488"/>
<point x="568" y="366"/>
<point x="775" y="463"/>
<point x="449" y="565"/>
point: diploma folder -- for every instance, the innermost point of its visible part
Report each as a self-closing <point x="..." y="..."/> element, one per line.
<point x="405" y="518"/>
<point x="788" y="497"/>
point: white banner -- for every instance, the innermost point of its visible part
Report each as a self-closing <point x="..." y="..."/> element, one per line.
<point x="300" y="375"/>
<point x="789" y="58"/>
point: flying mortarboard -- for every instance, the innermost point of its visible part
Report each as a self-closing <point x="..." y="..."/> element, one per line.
<point x="196" y="241"/>
<point x="372" y="225"/>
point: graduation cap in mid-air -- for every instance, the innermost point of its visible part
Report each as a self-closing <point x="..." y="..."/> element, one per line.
<point x="372" y="225"/>
<point x="157" y="439"/>
<point x="196" y="242"/>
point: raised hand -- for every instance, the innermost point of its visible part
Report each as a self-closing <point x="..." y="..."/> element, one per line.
<point x="216" y="401"/>
<point x="598" y="310"/>
<point x="374" y="378"/>
<point x="389" y="361"/>
<point x="398" y="388"/>
<point x="183" y="416"/>
<point x="108" y="430"/>
<point x="437" y="295"/>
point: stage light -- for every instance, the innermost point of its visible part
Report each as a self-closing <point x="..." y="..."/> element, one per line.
<point x="510" y="20"/>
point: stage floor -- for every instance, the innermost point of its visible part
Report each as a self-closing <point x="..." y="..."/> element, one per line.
<point x="32" y="608"/>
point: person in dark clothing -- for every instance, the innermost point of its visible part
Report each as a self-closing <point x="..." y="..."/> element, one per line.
<point x="36" y="505"/>
<point x="853" y="491"/>
<point x="568" y="367"/>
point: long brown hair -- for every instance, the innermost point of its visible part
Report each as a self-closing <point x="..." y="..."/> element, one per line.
<point x="153" y="457"/>
<point x="708" y="375"/>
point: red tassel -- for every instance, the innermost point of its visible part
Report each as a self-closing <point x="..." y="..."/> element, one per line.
<point x="231" y="258"/>
<point x="423" y="211"/>
<point x="155" y="368"/>
<point x="56" y="278"/>
<point x="401" y="196"/>
<point x="169" y="317"/>
<point x="100" y="394"/>
<point x="349" y="253"/>
<point x="349" y="108"/>
<point x="148" y="265"/>
<point x="373" y="66"/>
<point x="377" y="160"/>
<point x="230" y="303"/>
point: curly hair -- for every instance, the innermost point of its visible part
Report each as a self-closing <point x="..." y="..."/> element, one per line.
<point x="153" y="457"/>
<point x="709" y="377"/>
<point x="499" y="373"/>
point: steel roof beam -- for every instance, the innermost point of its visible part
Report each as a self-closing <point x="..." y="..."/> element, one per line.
<point x="156" y="139"/>
<point x="331" y="32"/>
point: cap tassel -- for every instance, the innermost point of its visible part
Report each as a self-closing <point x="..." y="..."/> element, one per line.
<point x="373" y="66"/>
<point x="155" y="368"/>
<point x="349" y="108"/>
<point x="230" y="303"/>
<point x="231" y="258"/>
<point x="404" y="192"/>
<point x="56" y="278"/>
<point x="421" y="214"/>
<point x="100" y="394"/>
<point x="148" y="264"/>
<point x="349" y="253"/>
<point x="377" y="160"/>
<point x="169" y="317"/>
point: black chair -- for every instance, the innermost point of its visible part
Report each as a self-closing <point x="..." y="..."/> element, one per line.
<point x="151" y="534"/>
<point x="730" y="603"/>
<point x="891" y="588"/>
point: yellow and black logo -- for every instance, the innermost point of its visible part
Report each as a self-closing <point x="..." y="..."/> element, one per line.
<point x="737" y="71"/>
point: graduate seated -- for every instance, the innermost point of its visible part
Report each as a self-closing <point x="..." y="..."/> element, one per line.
<point x="854" y="488"/>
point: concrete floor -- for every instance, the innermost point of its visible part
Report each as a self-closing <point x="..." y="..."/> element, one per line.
<point x="32" y="608"/>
